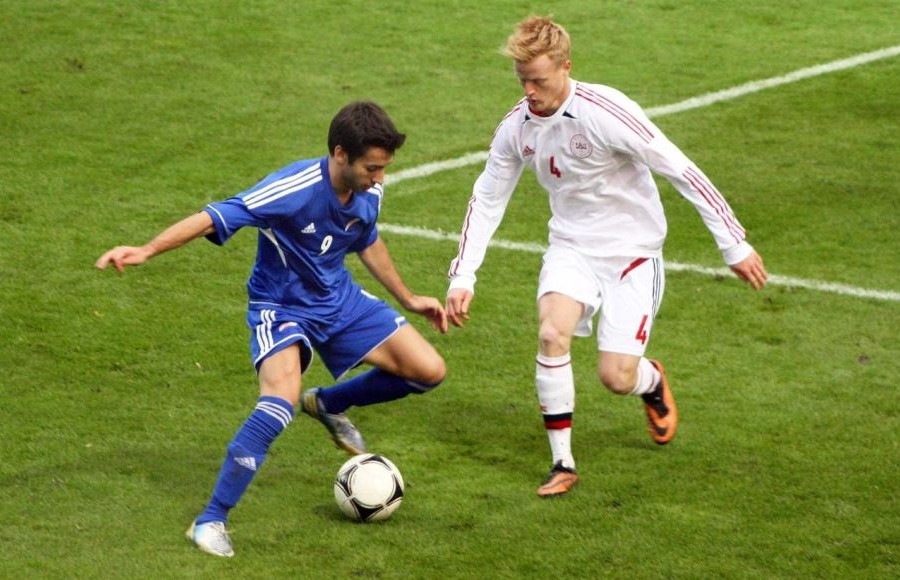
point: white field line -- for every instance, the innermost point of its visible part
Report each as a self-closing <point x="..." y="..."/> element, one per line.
<point x="775" y="280"/>
<point x="757" y="86"/>
<point x="692" y="103"/>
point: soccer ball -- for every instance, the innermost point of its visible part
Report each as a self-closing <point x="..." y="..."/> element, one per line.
<point x="368" y="488"/>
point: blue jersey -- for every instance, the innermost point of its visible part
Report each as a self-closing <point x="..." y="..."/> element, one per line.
<point x="304" y="235"/>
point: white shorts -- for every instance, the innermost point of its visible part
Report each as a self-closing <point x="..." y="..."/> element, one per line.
<point x="625" y="291"/>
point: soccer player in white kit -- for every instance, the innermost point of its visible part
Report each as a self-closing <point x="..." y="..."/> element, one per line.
<point x="593" y="150"/>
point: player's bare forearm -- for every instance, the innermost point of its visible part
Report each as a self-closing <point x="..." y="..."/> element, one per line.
<point x="176" y="235"/>
<point x="378" y="262"/>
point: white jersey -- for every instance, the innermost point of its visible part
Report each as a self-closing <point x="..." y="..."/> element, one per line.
<point x="594" y="157"/>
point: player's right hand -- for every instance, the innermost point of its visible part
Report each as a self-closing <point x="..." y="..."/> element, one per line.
<point x="458" y="301"/>
<point x="122" y="256"/>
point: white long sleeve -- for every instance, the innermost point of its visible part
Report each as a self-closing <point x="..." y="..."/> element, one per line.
<point x="490" y="196"/>
<point x="595" y="157"/>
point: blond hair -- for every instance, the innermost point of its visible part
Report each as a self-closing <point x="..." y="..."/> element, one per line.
<point x="537" y="35"/>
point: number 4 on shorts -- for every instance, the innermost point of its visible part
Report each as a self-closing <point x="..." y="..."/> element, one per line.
<point x="641" y="334"/>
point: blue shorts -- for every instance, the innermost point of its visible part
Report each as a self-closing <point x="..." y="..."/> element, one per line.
<point x="364" y="323"/>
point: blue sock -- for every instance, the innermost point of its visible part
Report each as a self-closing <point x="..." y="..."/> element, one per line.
<point x="246" y="454"/>
<point x="369" y="388"/>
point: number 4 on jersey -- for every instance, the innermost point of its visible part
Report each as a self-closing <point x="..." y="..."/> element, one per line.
<point x="553" y="168"/>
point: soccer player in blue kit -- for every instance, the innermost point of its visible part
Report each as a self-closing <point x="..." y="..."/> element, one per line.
<point x="302" y="298"/>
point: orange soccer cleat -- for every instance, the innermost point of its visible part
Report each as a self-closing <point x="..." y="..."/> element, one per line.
<point x="662" y="415"/>
<point x="559" y="481"/>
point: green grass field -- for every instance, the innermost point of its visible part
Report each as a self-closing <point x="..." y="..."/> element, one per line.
<point x="119" y="393"/>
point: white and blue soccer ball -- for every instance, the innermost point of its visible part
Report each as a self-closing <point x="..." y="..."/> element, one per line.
<point x="368" y="488"/>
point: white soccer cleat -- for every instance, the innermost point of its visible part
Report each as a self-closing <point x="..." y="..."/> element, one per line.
<point x="212" y="538"/>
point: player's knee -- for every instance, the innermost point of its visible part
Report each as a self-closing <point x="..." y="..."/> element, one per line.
<point x="618" y="380"/>
<point x="552" y="341"/>
<point x="436" y="372"/>
<point x="429" y="375"/>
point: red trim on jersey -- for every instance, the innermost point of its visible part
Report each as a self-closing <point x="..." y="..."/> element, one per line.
<point x="616" y="111"/>
<point x="715" y="201"/>
<point x="507" y="116"/>
<point x="463" y="238"/>
<point x="632" y="266"/>
<point x="518" y="106"/>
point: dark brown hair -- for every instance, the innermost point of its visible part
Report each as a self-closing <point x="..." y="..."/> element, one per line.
<point x="361" y="125"/>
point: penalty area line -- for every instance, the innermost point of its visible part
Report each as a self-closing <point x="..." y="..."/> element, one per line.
<point x="774" y="279"/>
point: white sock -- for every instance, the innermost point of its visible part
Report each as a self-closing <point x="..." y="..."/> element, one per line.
<point x="647" y="377"/>
<point x="555" y="385"/>
<point x="561" y="446"/>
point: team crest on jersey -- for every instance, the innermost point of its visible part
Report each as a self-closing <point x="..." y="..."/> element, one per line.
<point x="581" y="147"/>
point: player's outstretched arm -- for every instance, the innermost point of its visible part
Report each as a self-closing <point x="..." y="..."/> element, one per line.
<point x="752" y="271"/>
<point x="458" y="301"/>
<point x="176" y="235"/>
<point x="379" y="263"/>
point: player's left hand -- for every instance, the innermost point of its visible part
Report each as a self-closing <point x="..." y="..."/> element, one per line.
<point x="430" y="308"/>
<point x="752" y="271"/>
